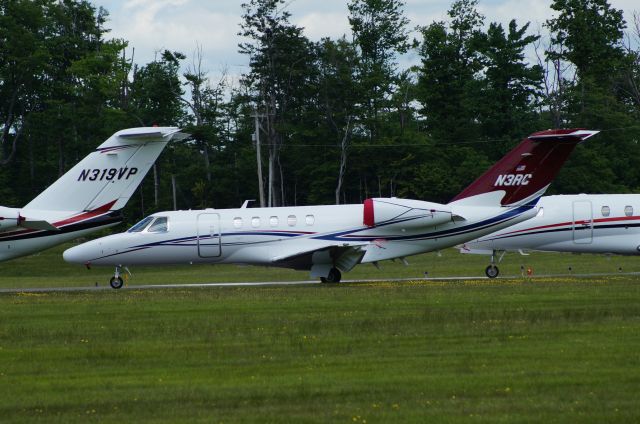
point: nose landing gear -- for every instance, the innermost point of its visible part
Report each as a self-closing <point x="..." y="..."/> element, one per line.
<point x="116" y="281"/>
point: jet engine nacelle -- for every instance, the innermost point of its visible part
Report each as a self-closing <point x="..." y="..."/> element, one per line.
<point x="405" y="212"/>
<point x="9" y="218"/>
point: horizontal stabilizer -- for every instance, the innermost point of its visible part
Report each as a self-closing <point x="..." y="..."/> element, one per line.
<point x="579" y="135"/>
<point x="147" y="134"/>
<point x="465" y="249"/>
<point x="33" y="224"/>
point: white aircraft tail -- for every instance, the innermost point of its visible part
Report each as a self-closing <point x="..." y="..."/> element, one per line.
<point x="108" y="176"/>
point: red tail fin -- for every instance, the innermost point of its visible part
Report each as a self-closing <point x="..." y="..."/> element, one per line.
<point x="527" y="170"/>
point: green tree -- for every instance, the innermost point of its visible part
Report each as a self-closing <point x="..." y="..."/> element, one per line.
<point x="155" y="99"/>
<point x="449" y="89"/>
<point x="279" y="58"/>
<point x="338" y="95"/>
<point x="23" y="59"/>
<point x="156" y="90"/>
<point x="59" y="84"/>
<point x="588" y="36"/>
<point x="447" y="83"/>
<point x="206" y="105"/>
<point x="380" y="33"/>
<point x="510" y="87"/>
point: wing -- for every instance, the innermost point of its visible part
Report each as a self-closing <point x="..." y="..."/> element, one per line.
<point x="343" y="257"/>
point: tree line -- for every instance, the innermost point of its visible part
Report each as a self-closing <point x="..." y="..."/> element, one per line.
<point x="336" y="120"/>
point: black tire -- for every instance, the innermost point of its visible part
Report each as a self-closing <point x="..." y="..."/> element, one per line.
<point x="492" y="271"/>
<point x="333" y="277"/>
<point x="116" y="282"/>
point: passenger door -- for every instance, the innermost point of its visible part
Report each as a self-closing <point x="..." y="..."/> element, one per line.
<point x="209" y="235"/>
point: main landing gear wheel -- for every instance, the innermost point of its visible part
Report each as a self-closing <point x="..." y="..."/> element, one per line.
<point x="333" y="277"/>
<point x="492" y="271"/>
<point x="116" y="282"/>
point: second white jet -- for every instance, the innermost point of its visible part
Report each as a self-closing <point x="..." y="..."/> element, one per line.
<point x="581" y="223"/>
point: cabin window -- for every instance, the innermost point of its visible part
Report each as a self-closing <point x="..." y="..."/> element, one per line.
<point x="141" y="225"/>
<point x="273" y="221"/>
<point x="628" y="210"/>
<point x="606" y="211"/>
<point x="237" y="222"/>
<point x="159" y="225"/>
<point x="255" y="221"/>
<point x="292" y="220"/>
<point x="309" y="219"/>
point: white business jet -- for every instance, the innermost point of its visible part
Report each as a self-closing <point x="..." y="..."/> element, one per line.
<point x="583" y="223"/>
<point x="88" y="197"/>
<point x="329" y="240"/>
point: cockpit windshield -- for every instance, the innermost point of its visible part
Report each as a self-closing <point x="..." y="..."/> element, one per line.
<point x="159" y="225"/>
<point x="141" y="225"/>
<point x="152" y="224"/>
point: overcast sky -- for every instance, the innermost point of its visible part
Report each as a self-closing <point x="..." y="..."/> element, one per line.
<point x="181" y="25"/>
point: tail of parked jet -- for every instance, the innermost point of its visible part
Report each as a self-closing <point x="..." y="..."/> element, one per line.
<point x="107" y="177"/>
<point x="88" y="197"/>
<point x="523" y="175"/>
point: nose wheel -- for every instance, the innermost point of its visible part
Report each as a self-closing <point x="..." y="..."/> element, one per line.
<point x="116" y="281"/>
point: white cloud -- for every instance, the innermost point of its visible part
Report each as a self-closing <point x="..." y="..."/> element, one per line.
<point x="182" y="25"/>
<point x="319" y="25"/>
<point x="533" y="11"/>
<point x="151" y="26"/>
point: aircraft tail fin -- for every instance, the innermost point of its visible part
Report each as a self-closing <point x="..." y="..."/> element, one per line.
<point x="109" y="175"/>
<point x="524" y="174"/>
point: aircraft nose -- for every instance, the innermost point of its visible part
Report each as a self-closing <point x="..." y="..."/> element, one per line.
<point x="76" y="255"/>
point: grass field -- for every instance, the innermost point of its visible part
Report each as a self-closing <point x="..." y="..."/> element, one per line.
<point x="560" y="349"/>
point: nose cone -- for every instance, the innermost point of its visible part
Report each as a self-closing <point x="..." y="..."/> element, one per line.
<point x="78" y="255"/>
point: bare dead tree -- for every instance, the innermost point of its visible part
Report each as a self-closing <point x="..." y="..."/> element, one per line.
<point x="205" y="100"/>
<point x="555" y="81"/>
<point x="633" y="51"/>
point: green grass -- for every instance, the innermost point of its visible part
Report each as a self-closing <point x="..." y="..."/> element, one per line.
<point x="559" y="349"/>
<point x="556" y="350"/>
<point x="47" y="269"/>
